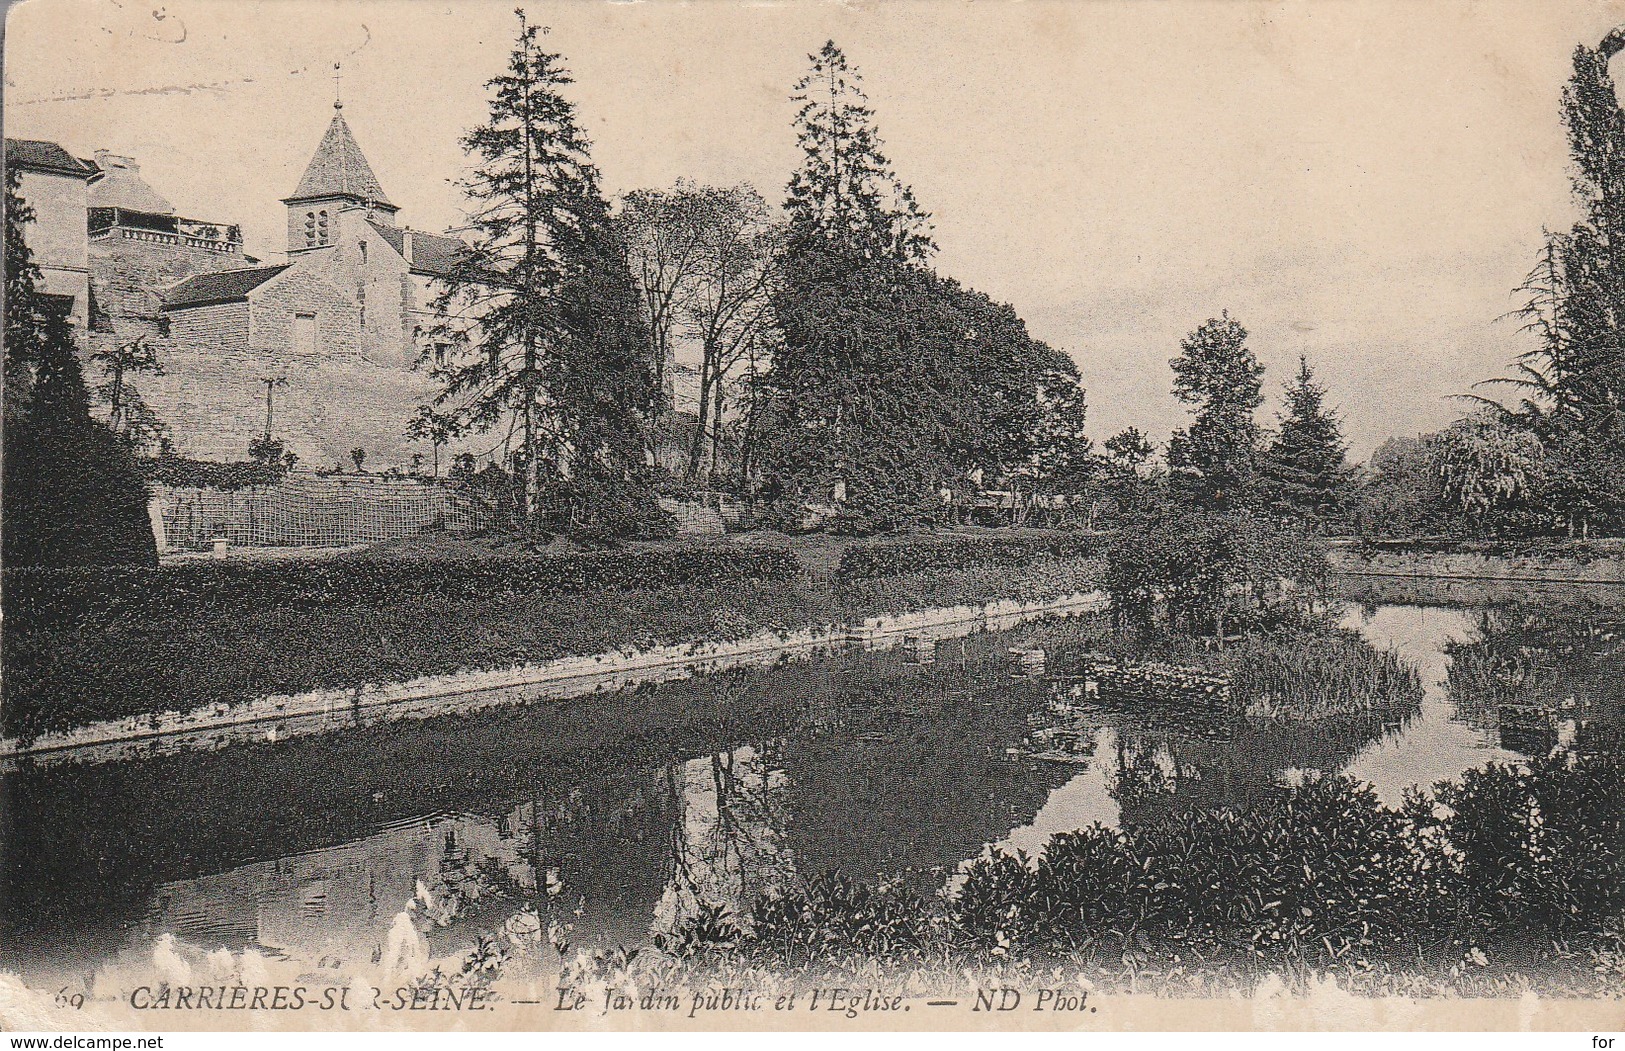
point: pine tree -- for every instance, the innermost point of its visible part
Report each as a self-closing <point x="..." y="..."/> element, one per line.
<point x="845" y="189"/>
<point x="849" y="403"/>
<point x="72" y="494"/>
<point x="890" y="382"/>
<point x="1305" y="470"/>
<point x="1216" y="460"/>
<point x="544" y="313"/>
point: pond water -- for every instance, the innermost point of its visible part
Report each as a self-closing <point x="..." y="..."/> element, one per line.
<point x="616" y="814"/>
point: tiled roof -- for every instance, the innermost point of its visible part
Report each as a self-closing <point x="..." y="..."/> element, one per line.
<point x="34" y="155"/>
<point x="120" y="187"/>
<point x="433" y="254"/>
<point x="224" y="286"/>
<point x="339" y="169"/>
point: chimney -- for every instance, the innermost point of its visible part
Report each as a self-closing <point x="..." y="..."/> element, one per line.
<point x="406" y="244"/>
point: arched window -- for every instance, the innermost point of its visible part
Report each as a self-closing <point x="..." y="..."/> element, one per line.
<point x="321" y="226"/>
<point x="363" y="246"/>
<point x="310" y="229"/>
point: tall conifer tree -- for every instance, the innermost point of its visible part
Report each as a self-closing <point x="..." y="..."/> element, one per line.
<point x="544" y="310"/>
<point x="72" y="493"/>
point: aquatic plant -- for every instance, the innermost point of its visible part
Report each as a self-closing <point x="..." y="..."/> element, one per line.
<point x="1309" y="675"/>
<point x="1303" y="668"/>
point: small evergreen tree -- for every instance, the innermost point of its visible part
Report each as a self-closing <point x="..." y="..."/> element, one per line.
<point x="1305" y="470"/>
<point x="128" y="414"/>
<point x="1215" y="461"/>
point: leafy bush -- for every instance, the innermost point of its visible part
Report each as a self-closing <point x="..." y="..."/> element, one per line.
<point x="182" y="473"/>
<point x="1315" y="878"/>
<point x="1206" y="568"/>
<point x="923" y="553"/>
<point x="836" y="915"/>
<point x="39" y="597"/>
<point x="1542" y="844"/>
<point x="1322" y="871"/>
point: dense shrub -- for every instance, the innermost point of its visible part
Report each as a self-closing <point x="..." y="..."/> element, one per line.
<point x="1204" y="568"/>
<point x="1543" y="844"/>
<point x="1322" y="870"/>
<point x="39" y="597"/>
<point x="73" y="496"/>
<point x="181" y="472"/>
<point x="836" y="915"/>
<point x="927" y="552"/>
<point x="1314" y="878"/>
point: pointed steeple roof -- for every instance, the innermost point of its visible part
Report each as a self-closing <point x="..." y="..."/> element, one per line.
<point x="339" y="169"/>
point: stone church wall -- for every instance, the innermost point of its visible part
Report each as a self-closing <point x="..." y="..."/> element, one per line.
<point x="296" y="291"/>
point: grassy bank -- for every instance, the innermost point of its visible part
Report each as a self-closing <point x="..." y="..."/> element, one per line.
<point x="111" y="646"/>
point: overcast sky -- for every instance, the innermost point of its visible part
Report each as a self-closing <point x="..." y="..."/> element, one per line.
<point x="1359" y="182"/>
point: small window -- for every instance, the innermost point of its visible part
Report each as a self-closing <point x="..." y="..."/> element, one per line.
<point x="361" y="301"/>
<point x="304" y="334"/>
<point x="440" y="352"/>
<point x="363" y="247"/>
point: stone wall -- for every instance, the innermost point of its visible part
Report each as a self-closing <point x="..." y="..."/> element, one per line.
<point x="214" y="403"/>
<point x="56" y="237"/>
<point x="130" y="270"/>
<point x="198" y="335"/>
<point x="302" y="290"/>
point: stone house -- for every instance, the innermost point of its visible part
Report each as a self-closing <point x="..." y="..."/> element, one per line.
<point x="56" y="184"/>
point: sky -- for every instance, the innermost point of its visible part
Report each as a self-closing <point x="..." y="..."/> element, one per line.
<point x="1360" y="182"/>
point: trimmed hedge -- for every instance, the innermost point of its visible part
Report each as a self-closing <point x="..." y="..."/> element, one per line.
<point x="1583" y="552"/>
<point x="37" y="598"/>
<point x="928" y="552"/>
<point x="70" y="674"/>
<point x="182" y="473"/>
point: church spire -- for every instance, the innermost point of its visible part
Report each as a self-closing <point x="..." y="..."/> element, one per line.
<point x="339" y="169"/>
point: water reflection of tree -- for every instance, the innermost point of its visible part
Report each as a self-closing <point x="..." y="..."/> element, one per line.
<point x="728" y="843"/>
<point x="909" y="782"/>
<point x="1538" y="657"/>
<point x="1162" y="770"/>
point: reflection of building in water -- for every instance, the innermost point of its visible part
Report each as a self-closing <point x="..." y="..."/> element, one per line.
<point x="606" y="842"/>
<point x="334" y="903"/>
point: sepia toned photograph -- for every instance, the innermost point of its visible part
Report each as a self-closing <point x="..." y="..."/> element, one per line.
<point x="792" y="515"/>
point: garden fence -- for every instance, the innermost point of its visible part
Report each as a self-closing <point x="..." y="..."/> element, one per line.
<point x="308" y="510"/>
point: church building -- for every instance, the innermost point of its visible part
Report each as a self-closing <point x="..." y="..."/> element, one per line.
<point x="331" y="337"/>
